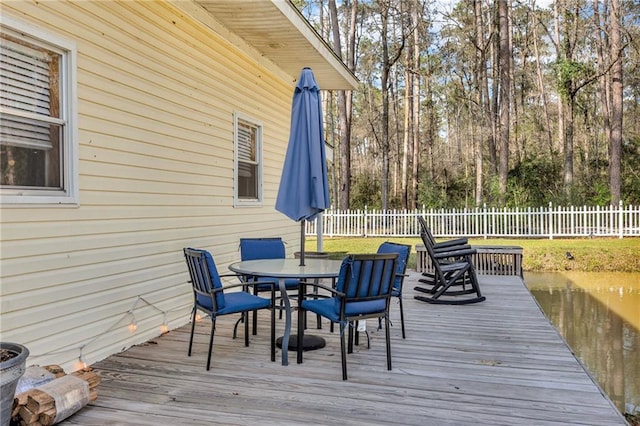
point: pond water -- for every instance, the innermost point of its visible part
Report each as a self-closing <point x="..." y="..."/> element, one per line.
<point x="598" y="314"/>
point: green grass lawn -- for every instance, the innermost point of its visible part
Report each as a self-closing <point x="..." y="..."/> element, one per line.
<point x="589" y="255"/>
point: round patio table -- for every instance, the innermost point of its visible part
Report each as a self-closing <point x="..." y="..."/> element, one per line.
<point x="283" y="269"/>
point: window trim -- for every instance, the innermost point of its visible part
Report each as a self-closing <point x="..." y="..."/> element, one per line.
<point x="237" y="201"/>
<point x="69" y="112"/>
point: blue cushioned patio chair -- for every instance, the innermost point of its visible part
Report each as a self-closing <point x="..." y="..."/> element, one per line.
<point x="403" y="251"/>
<point x="264" y="248"/>
<point x="212" y="298"/>
<point x="362" y="291"/>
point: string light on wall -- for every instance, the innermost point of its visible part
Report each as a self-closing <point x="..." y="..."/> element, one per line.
<point x="81" y="362"/>
<point x="132" y="326"/>
<point x="164" y="327"/>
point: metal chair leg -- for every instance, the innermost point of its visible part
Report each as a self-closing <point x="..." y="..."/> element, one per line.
<point x="193" y="326"/>
<point x="404" y="336"/>
<point x="235" y="327"/>
<point x="343" y="351"/>
<point x="388" y="338"/>
<point x="213" y="331"/>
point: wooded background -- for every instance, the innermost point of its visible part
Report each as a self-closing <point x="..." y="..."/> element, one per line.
<point x="503" y="103"/>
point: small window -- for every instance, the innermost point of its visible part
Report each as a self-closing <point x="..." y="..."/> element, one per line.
<point x="37" y="117"/>
<point x="247" y="161"/>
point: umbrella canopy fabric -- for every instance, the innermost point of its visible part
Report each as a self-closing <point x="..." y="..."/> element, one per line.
<point x="304" y="191"/>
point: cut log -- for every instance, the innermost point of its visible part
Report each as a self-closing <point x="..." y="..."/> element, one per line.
<point x="27" y="416"/>
<point x="39" y="401"/>
<point x="55" y="369"/>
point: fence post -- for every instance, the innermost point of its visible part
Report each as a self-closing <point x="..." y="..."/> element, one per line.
<point x="364" y="222"/>
<point x="620" y="219"/>
<point x="332" y="222"/>
<point x="484" y="220"/>
<point x="550" y="221"/>
<point x="572" y="221"/>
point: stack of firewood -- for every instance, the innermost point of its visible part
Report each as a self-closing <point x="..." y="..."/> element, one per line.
<point x="36" y="407"/>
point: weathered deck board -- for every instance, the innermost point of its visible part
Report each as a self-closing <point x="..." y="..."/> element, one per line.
<point x="497" y="362"/>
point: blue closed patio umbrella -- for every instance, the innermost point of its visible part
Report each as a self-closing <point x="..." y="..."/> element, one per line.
<point x="304" y="188"/>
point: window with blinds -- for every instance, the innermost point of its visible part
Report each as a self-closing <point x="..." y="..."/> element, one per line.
<point x="248" y="167"/>
<point x="35" y="148"/>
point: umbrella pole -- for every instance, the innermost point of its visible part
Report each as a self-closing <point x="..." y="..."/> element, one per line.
<point x="319" y="232"/>
<point x="302" y="242"/>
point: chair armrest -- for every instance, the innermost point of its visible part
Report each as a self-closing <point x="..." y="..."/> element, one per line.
<point x="455" y="266"/>
<point x="454" y="253"/>
<point x="231" y="275"/>
<point x="453" y="242"/>
<point x="244" y="285"/>
<point x="303" y="285"/>
<point x="451" y="248"/>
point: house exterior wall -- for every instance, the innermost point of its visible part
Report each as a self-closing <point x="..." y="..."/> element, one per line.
<point x="156" y="96"/>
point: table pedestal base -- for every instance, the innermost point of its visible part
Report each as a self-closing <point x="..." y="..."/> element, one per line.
<point x="309" y="343"/>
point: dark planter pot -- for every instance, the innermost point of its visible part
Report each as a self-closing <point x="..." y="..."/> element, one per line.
<point x="10" y="372"/>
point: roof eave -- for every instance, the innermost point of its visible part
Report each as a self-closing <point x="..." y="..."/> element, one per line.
<point x="276" y="35"/>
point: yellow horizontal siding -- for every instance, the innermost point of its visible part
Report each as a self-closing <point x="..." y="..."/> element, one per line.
<point x="157" y="93"/>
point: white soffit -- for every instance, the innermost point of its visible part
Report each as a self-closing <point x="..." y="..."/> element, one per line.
<point x="277" y="32"/>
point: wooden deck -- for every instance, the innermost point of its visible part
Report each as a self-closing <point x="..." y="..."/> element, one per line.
<point x="499" y="362"/>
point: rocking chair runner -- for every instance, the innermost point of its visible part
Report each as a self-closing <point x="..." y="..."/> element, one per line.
<point x="458" y="270"/>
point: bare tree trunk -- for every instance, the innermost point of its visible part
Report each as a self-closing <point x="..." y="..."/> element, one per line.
<point x="481" y="99"/>
<point x="616" y="104"/>
<point x="384" y="83"/>
<point x="411" y="107"/>
<point x="397" y="136"/>
<point x="416" y="107"/>
<point x="541" y="89"/>
<point x="602" y="46"/>
<point x="387" y="64"/>
<point x="343" y="124"/>
<point x="494" y="95"/>
<point x="505" y="93"/>
<point x="406" y="134"/>
<point x="565" y="105"/>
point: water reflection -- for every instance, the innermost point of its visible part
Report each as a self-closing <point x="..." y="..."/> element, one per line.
<point x="598" y="314"/>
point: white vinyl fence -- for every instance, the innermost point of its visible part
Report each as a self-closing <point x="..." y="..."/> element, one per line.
<point x="544" y="222"/>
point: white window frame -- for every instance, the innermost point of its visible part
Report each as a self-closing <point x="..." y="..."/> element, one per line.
<point x="68" y="194"/>
<point x="247" y="202"/>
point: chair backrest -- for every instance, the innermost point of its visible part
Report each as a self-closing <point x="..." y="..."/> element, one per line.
<point x="262" y="248"/>
<point x="367" y="281"/>
<point x="204" y="278"/>
<point x="426" y="240"/>
<point x="462" y="256"/>
<point x="435" y="262"/>
<point x="403" y="251"/>
<point x="427" y="231"/>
